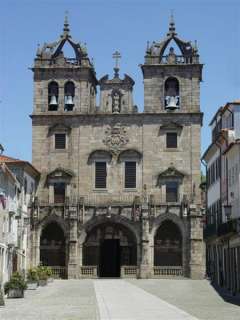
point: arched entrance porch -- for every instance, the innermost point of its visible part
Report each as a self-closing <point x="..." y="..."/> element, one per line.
<point x="53" y="248"/>
<point x="168" y="248"/>
<point x="109" y="246"/>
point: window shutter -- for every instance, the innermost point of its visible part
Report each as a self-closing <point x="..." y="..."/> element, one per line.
<point x="130" y="174"/>
<point x="100" y="175"/>
<point x="60" y="141"/>
<point x="171" y="140"/>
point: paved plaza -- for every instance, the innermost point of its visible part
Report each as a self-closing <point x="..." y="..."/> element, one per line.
<point x="118" y="299"/>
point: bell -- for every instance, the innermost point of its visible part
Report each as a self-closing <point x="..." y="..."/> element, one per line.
<point x="172" y="102"/>
<point x="69" y="101"/>
<point x="53" y="101"/>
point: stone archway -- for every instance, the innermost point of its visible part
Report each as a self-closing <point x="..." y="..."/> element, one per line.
<point x="109" y="246"/>
<point x="53" y="251"/>
<point x="168" y="245"/>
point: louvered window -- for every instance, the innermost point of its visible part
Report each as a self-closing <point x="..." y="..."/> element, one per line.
<point x="171" y="191"/>
<point x="130" y="174"/>
<point x="171" y="140"/>
<point x="100" y="175"/>
<point x="60" y="141"/>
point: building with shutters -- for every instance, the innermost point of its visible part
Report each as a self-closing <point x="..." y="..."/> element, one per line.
<point x="119" y="189"/>
<point x="222" y="229"/>
<point x="18" y="180"/>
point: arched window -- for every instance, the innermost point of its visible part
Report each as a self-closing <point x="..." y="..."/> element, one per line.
<point x="171" y="93"/>
<point x="69" y="92"/>
<point x="53" y="96"/>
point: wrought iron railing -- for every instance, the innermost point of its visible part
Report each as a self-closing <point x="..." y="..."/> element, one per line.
<point x="171" y="271"/>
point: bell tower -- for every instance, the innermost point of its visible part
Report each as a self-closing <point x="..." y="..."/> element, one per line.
<point x="64" y="84"/>
<point x="172" y="80"/>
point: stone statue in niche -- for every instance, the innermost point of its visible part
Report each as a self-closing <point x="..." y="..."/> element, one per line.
<point x="116" y="103"/>
<point x="172" y="58"/>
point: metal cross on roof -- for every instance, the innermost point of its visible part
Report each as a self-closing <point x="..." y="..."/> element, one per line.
<point x="116" y="56"/>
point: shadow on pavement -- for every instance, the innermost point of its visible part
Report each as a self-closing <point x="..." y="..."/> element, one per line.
<point x="226" y="295"/>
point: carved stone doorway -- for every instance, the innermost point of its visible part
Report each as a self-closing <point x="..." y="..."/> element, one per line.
<point x="109" y="246"/>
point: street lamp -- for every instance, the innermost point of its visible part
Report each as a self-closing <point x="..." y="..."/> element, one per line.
<point x="228" y="211"/>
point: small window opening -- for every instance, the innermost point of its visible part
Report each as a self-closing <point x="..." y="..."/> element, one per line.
<point x="60" y="141"/>
<point x="171" y="191"/>
<point x="171" y="140"/>
<point x="130" y="174"/>
<point x="59" y="192"/>
<point x="100" y="175"/>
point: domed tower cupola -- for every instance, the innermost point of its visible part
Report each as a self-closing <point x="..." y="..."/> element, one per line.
<point x="65" y="79"/>
<point x="172" y="65"/>
<point x="116" y="93"/>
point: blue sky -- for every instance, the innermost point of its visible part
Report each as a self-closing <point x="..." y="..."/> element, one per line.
<point x="107" y="26"/>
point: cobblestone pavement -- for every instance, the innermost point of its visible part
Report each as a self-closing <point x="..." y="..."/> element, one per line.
<point x="121" y="299"/>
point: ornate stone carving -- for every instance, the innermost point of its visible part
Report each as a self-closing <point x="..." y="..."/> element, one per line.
<point x="116" y="138"/>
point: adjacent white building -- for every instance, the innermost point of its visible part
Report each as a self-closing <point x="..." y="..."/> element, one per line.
<point x="222" y="231"/>
<point x="17" y="188"/>
<point x="9" y="196"/>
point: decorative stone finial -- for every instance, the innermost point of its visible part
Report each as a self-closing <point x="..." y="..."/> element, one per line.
<point x="66" y="29"/>
<point x="38" y="54"/>
<point x="116" y="56"/>
<point x="148" y="47"/>
<point x="195" y="47"/>
<point x="172" y="28"/>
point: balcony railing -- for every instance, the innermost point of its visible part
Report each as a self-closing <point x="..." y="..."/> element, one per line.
<point x="230" y="226"/>
<point x="210" y="231"/>
<point x="168" y="271"/>
<point x="129" y="271"/>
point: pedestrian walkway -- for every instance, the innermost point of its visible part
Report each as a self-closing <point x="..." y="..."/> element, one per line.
<point x="117" y="299"/>
<point x="60" y="300"/>
<point x="120" y="300"/>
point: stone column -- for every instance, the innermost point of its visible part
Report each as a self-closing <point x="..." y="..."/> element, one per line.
<point x="197" y="251"/>
<point x="35" y="248"/>
<point x="73" y="264"/>
<point x="51" y="193"/>
<point x="61" y="98"/>
<point x="145" y="271"/>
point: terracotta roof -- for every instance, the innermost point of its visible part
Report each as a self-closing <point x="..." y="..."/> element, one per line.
<point x="9" y="160"/>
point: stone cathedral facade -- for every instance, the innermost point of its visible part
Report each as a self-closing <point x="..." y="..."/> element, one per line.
<point x="119" y="189"/>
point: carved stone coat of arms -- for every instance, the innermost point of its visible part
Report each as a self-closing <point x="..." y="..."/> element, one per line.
<point x="115" y="138"/>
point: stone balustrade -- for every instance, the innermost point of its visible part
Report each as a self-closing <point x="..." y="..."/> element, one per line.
<point x="167" y="271"/>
